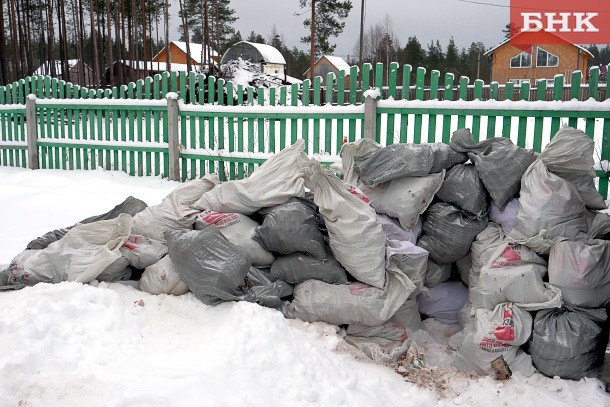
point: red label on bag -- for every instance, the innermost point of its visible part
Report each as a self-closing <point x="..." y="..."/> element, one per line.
<point x="559" y="21"/>
<point x="218" y="219"/>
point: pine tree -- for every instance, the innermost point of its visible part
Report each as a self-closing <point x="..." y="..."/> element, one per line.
<point x="328" y="22"/>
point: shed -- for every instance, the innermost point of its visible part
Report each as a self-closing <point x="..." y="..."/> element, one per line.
<point x="330" y="63"/>
<point x="271" y="60"/>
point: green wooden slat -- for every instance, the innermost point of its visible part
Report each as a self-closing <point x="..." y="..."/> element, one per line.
<point x="538" y="121"/>
<point x="173" y="82"/>
<point x="365" y="80"/>
<point x="114" y="136"/>
<point x="250" y="134"/>
<point x="476" y="119"/>
<point x="419" y="95"/>
<point x="575" y="94"/>
<point x="240" y="130"/>
<point x="305" y="101"/>
<point x="329" y="88"/>
<point x="316" y="122"/>
<point x="202" y="121"/>
<point x="494" y="92"/>
<point x="182" y="85"/>
<point x="132" y="129"/>
<point x="220" y="90"/>
<point x="593" y="93"/>
<point x="63" y="155"/>
<point x="605" y="151"/>
<point x="524" y="95"/>
<point x="392" y="79"/>
<point x="70" y="128"/>
<point x="463" y="95"/>
<point x="341" y="137"/>
<point x="294" y="101"/>
<point x="148" y="125"/>
<point x="193" y="99"/>
<point x="509" y="90"/>
<point x="212" y="122"/>
<point x="183" y="133"/>
<point x="447" y="95"/>
<point x="404" y="95"/>
<point x="557" y="96"/>
<point x="434" y="78"/>
<point x="3" y="135"/>
<point x="379" y="75"/>
<point x="156" y="122"/>
<point x="353" y="99"/>
<point x="261" y="121"/>
<point x="327" y="122"/>
<point x="165" y="86"/>
<point x="231" y="129"/>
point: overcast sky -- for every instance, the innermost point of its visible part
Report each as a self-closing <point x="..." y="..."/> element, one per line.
<point x="426" y="19"/>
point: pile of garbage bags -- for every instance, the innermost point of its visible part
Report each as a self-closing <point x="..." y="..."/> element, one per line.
<point x="509" y="244"/>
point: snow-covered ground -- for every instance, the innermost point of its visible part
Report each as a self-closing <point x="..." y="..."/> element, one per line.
<point x="71" y="344"/>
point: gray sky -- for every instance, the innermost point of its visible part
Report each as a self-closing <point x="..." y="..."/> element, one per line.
<point x="427" y="19"/>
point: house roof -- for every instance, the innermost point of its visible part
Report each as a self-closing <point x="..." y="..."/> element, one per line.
<point x="489" y="52"/>
<point x="196" y="50"/>
<point x="270" y="54"/>
<point x="337" y="62"/>
<point x="45" y="68"/>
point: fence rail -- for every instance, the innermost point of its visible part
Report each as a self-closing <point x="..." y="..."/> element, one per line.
<point x="147" y="128"/>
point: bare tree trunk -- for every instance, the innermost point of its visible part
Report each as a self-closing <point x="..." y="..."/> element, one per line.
<point x="28" y="38"/>
<point x="206" y="38"/>
<point x="186" y="37"/>
<point x="22" y="39"/>
<point x="168" y="58"/>
<point x="96" y="72"/>
<point x="51" y="51"/>
<point x="63" y="40"/>
<point x="313" y="38"/>
<point x="217" y="36"/>
<point x="144" y="46"/>
<point x="119" y="44"/>
<point x="110" y="57"/>
<point x="14" y="41"/>
<point x="3" y="61"/>
<point x="81" y="40"/>
<point x="100" y="34"/>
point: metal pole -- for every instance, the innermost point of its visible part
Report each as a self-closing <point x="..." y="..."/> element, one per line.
<point x="361" y="35"/>
<point x="32" y="131"/>
<point x="173" y="138"/>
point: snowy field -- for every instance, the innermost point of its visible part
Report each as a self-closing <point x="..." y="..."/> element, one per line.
<point x="71" y="344"/>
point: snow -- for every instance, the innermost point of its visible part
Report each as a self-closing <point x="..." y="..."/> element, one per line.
<point x="270" y="54"/>
<point x="103" y="344"/>
<point x="339" y="63"/>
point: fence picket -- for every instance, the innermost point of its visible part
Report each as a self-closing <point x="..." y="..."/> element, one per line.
<point x="327" y="122"/>
<point x="231" y="129"/>
<point x="306" y="122"/>
<point x="404" y="95"/>
<point x="316" y="121"/>
<point x="463" y="95"/>
<point x="340" y="102"/>
<point x="575" y="94"/>
<point x="432" y="118"/>
<point x="539" y="121"/>
<point x="593" y="93"/>
<point x="491" y="119"/>
<point x="509" y="91"/>
<point x="419" y="95"/>
<point x="240" y="131"/>
<point x="605" y="153"/>
<point x="557" y="95"/>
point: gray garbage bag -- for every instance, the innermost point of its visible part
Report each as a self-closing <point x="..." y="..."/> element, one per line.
<point x="130" y="206"/>
<point x="142" y="251"/>
<point x="349" y="303"/>
<point x="599" y="225"/>
<point x="239" y="230"/>
<point x="290" y="228"/>
<point x="84" y="253"/>
<point x="162" y="278"/>
<point x="500" y="163"/>
<point x="355" y="237"/>
<point x="448" y="233"/>
<point x="266" y="290"/>
<point x="444" y="302"/>
<point x="211" y="266"/>
<point x="274" y="182"/>
<point x="408" y="314"/>
<point x="175" y="211"/>
<point x="463" y="188"/>
<point x="570" y="155"/>
<point x="581" y="270"/>
<point x="405" y="160"/>
<point x="298" y="267"/>
<point x="437" y="273"/>
<point x="566" y="342"/>
<point x="496" y="333"/>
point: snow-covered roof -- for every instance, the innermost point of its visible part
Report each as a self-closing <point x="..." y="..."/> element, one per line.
<point x="270" y="54"/>
<point x="505" y="41"/>
<point x="45" y="68"/>
<point x="339" y="63"/>
<point x="195" y="48"/>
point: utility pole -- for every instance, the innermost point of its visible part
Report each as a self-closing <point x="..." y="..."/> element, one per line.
<point x="313" y="41"/>
<point x="361" y="34"/>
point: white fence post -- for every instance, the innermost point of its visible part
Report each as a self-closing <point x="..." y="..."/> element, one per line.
<point x="32" y="131"/>
<point x="370" y="117"/>
<point x="173" y="137"/>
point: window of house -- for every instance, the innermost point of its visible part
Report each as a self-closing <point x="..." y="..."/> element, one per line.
<point x="523" y="60"/>
<point x="545" y="58"/>
<point x="518" y="81"/>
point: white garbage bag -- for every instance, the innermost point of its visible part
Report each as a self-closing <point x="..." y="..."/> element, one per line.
<point x="162" y="278"/>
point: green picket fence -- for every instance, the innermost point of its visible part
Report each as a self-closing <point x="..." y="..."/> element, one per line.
<point x="126" y="128"/>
